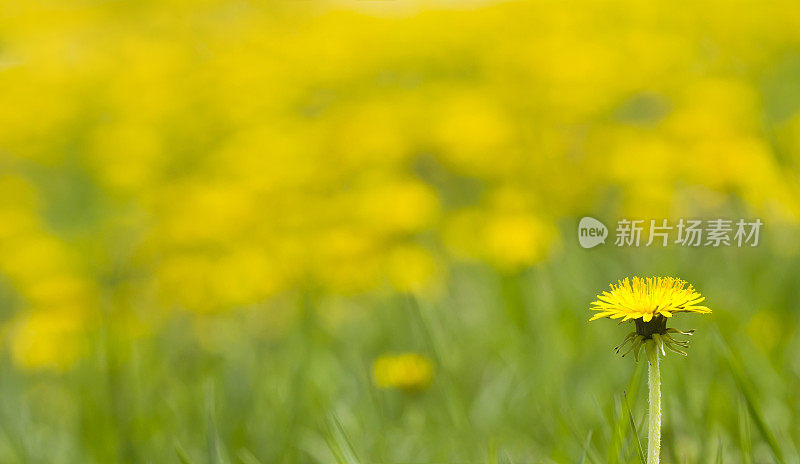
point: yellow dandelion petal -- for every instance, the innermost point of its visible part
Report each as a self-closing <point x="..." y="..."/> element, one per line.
<point x="647" y="298"/>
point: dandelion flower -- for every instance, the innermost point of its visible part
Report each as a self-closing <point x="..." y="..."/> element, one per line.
<point x="649" y="298"/>
<point x="649" y="303"/>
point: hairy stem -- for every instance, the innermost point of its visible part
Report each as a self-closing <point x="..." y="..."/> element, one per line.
<point x="654" y="429"/>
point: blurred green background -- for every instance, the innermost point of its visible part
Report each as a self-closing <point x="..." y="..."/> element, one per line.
<point x="345" y="231"/>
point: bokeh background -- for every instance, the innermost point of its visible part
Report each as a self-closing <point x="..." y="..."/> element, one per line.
<point x="345" y="231"/>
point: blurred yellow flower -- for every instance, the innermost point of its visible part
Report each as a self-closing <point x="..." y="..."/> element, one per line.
<point x="765" y="329"/>
<point x="48" y="338"/>
<point x="411" y="268"/>
<point x="126" y="156"/>
<point x="514" y="241"/>
<point x="407" y="371"/>
<point x="473" y="132"/>
<point x="401" y="206"/>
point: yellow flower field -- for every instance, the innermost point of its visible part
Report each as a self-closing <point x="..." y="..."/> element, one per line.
<point x="344" y="230"/>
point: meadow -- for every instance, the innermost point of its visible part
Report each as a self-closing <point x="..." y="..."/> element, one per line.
<point x="347" y="231"/>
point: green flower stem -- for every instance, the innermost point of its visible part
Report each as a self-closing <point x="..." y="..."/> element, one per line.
<point x="654" y="429"/>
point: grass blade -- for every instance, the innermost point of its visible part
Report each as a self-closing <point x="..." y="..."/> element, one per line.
<point x="639" y="449"/>
<point x="182" y="456"/>
<point x="213" y="442"/>
<point x="745" y="441"/>
<point x="247" y="457"/>
<point x="339" y="443"/>
<point x="620" y="428"/>
<point x="739" y="377"/>
<point x="585" y="448"/>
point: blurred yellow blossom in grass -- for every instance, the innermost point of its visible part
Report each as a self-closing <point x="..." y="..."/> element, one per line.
<point x="406" y="371"/>
<point x="213" y="156"/>
<point x="49" y="338"/>
<point x="766" y="329"/>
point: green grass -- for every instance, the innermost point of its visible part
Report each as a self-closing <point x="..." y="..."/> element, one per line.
<point x="521" y="377"/>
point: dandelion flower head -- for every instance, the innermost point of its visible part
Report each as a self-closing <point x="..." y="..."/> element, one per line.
<point x="646" y="298"/>
<point x="649" y="302"/>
